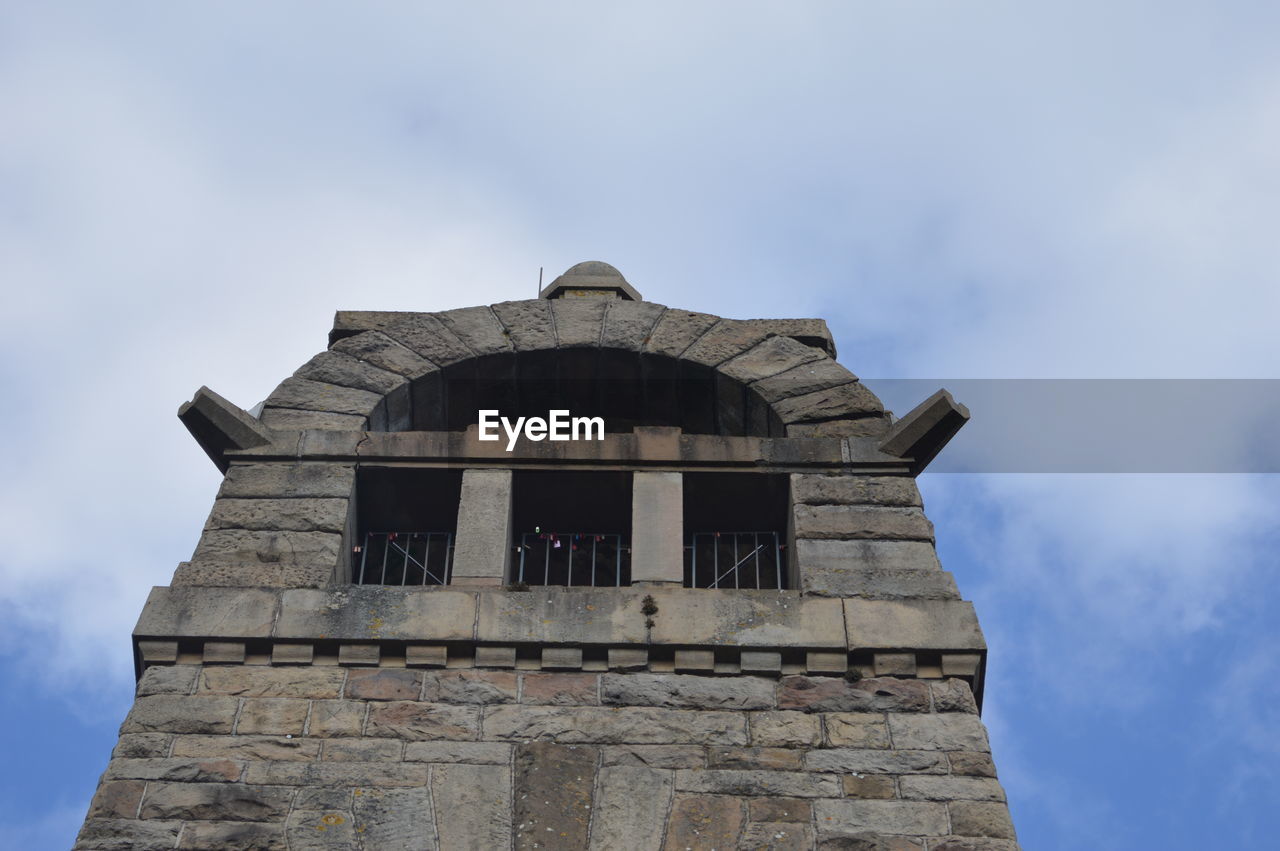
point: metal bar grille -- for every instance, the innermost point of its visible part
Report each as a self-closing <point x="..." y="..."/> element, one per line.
<point x="585" y="559"/>
<point x="752" y="560"/>
<point x="404" y="558"/>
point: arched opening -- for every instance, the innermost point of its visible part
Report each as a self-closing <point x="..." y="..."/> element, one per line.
<point x="624" y="388"/>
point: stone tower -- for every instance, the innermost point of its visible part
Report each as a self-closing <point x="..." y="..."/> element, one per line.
<point x="717" y="622"/>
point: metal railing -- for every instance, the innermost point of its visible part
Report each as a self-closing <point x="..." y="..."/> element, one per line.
<point x="752" y="560"/>
<point x="404" y="558"/>
<point x="588" y="559"/>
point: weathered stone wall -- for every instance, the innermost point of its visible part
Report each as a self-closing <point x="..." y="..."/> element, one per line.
<point x="258" y="756"/>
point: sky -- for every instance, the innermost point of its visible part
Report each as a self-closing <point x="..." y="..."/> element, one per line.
<point x="986" y="190"/>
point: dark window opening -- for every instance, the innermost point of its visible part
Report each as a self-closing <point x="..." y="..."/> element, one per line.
<point x="406" y="520"/>
<point x="735" y="530"/>
<point x="625" y="389"/>
<point x="571" y="528"/>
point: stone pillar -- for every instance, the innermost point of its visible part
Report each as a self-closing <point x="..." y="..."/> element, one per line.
<point x="657" y="529"/>
<point x="482" y="547"/>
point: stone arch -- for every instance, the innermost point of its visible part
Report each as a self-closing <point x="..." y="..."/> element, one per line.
<point x="381" y="367"/>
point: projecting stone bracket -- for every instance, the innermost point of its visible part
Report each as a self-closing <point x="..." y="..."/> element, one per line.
<point x="219" y="426"/>
<point x="920" y="435"/>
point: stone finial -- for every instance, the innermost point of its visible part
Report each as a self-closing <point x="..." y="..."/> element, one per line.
<point x="591" y="279"/>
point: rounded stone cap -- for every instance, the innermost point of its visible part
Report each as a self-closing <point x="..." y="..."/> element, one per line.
<point x="591" y="278"/>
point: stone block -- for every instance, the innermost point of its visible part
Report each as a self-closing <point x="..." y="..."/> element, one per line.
<point x="117" y="799"/>
<point x="478" y="328"/>
<point x="695" y="660"/>
<point x="633" y="725"/>
<point x="384" y="684"/>
<point x="128" y="835"/>
<point x="656" y="756"/>
<point x="554" y="615"/>
<point x="473" y="805"/>
<point x="224" y="652"/>
<point x="865" y="555"/>
<point x="482" y="548"/>
<point x="158" y="652"/>
<point x="949" y="732"/>
<point x="402" y="819"/>
<point x="831" y="694"/>
<point x="852" y="522"/>
<point x="209" y="770"/>
<point x="922" y="432"/>
<point x="785" y="729"/>
<point x="336" y="718"/>
<point x="241" y="546"/>
<point x="676" y="330"/>
<point x="204" y="612"/>
<point x="630" y="808"/>
<point x="794" y="784"/>
<point x="953" y="696"/>
<point x="553" y="794"/>
<point x="167" y="713"/>
<point x="373" y="613"/>
<point x="863" y="841"/>
<point x="952" y="788"/>
<point x="961" y="664"/>
<point x="727" y="339"/>
<point x="856" y="729"/>
<point x="472" y="687"/>
<point x="826" y="662"/>
<point x="495" y="657"/>
<point x="215" y="801"/>
<point x="344" y="370"/>
<point x="290" y="419"/>
<point x="657" y="551"/>
<point x="292" y="654"/>
<point x="426" y="335"/>
<point x="878" y="786"/>
<point x="167" y="679"/>
<point x="894" y="664"/>
<point x="213" y="836"/>
<point x="562" y="658"/>
<point x="746" y="619"/>
<point x="560" y="689"/>
<point x="275" y="716"/>
<point x="687" y="692"/>
<point x="850" y="579"/>
<point x="383" y="352"/>
<point x="527" y="323"/>
<point x="755" y="759"/>
<point x="279" y="515"/>
<point x="337" y="773"/>
<point x="142" y="745"/>
<point x="979" y="818"/>
<point x="363" y="750"/>
<point x="578" y="322"/>
<point x="470" y="753"/>
<point x="359" y="654"/>
<point x="796" y="810"/>
<point x="782" y="836"/>
<point x="875" y="761"/>
<point x="426" y="656"/>
<point x="770" y="357"/>
<point x="761" y="662"/>
<point x="916" y="624"/>
<point x="821" y="489"/>
<point x="256" y="748"/>
<point x="628" y="658"/>
<point x="299" y="394"/>
<point x="843" y="400"/>
<point x="239" y="574"/>
<point x="254" y="681"/>
<point x="973" y="763"/>
<point x="911" y="818"/>
<point x="627" y="324"/>
<point x="704" y="821"/>
<point x="416" y="722"/>
<point x="817" y="376"/>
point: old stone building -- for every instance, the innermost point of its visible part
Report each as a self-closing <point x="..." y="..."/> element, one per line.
<point x="719" y="624"/>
